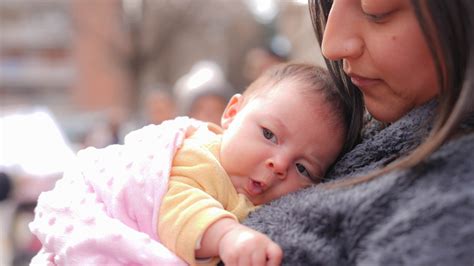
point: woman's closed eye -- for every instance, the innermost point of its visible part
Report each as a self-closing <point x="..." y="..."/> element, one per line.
<point x="378" y="11"/>
<point x="377" y="18"/>
<point x="269" y="135"/>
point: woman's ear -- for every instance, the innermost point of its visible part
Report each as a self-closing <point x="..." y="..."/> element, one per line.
<point x="231" y="110"/>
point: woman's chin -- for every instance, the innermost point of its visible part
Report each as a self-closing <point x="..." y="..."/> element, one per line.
<point x="385" y="112"/>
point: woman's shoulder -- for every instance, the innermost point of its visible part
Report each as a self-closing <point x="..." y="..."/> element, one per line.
<point x="429" y="211"/>
<point x="449" y="167"/>
<point x="382" y="145"/>
<point x="456" y="148"/>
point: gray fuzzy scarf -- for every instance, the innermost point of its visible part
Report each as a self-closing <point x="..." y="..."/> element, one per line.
<point x="422" y="216"/>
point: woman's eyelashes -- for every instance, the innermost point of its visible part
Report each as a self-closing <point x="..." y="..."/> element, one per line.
<point x="377" y="18"/>
<point x="269" y="135"/>
<point x="377" y="11"/>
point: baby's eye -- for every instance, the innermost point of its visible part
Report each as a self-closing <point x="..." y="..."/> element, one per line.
<point x="302" y="170"/>
<point x="269" y="135"/>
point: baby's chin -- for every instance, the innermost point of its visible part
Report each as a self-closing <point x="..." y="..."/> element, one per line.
<point x="244" y="186"/>
<point x="243" y="192"/>
<point x="249" y="197"/>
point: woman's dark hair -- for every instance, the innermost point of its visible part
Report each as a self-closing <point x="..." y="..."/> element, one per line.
<point x="350" y="93"/>
<point x="448" y="29"/>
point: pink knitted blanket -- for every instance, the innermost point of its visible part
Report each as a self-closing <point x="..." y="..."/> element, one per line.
<point x="104" y="210"/>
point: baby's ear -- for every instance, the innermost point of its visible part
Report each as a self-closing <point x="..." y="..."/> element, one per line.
<point x="231" y="110"/>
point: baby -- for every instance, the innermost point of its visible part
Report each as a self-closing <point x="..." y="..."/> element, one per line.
<point x="114" y="207"/>
<point x="280" y="136"/>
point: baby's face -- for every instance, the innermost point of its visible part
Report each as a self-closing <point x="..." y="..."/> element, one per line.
<point x="277" y="143"/>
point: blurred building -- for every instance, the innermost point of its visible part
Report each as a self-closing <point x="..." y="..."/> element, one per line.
<point x="36" y="64"/>
<point x="89" y="60"/>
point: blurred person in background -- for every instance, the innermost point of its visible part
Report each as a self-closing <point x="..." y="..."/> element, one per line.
<point x="260" y="58"/>
<point x="203" y="92"/>
<point x="159" y="105"/>
<point x="107" y="130"/>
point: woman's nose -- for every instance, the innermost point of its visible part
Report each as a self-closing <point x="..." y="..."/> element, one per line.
<point x="341" y="39"/>
<point x="278" y="167"/>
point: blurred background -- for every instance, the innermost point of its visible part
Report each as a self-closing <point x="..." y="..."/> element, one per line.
<point x="77" y="73"/>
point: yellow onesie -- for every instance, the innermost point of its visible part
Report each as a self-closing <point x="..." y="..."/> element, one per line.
<point x="200" y="192"/>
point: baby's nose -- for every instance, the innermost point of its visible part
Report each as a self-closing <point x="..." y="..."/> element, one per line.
<point x="278" y="168"/>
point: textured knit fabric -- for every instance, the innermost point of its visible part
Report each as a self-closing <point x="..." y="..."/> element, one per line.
<point x="200" y="192"/>
<point x="420" y="216"/>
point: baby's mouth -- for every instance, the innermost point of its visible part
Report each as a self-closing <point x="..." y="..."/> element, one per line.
<point x="254" y="187"/>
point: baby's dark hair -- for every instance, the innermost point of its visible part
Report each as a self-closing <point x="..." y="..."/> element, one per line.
<point x="313" y="80"/>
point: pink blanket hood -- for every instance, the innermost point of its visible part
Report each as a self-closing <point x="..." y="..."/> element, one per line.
<point x="105" y="208"/>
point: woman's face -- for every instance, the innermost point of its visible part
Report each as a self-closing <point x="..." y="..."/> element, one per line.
<point x="384" y="53"/>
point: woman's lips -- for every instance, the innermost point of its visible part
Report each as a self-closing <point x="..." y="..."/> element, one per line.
<point x="363" y="82"/>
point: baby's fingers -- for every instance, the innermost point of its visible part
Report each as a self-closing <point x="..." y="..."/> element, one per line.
<point x="245" y="260"/>
<point x="259" y="257"/>
<point x="274" y="255"/>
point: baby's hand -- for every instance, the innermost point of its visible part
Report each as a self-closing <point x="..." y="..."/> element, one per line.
<point x="244" y="246"/>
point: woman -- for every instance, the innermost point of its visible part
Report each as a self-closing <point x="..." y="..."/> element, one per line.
<point x="405" y="194"/>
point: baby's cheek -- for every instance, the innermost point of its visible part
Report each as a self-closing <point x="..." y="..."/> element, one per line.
<point x="301" y="185"/>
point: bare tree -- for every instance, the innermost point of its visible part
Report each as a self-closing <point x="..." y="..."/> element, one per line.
<point x="157" y="41"/>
